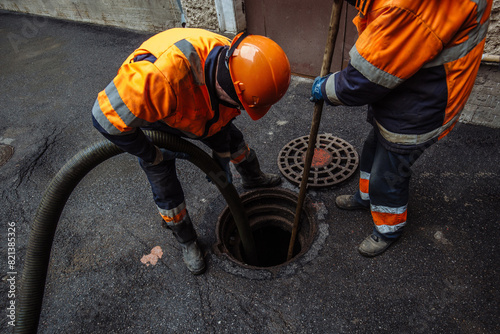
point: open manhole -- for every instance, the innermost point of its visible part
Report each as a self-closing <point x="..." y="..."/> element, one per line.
<point x="6" y="152"/>
<point x="271" y="215"/>
<point x="334" y="160"/>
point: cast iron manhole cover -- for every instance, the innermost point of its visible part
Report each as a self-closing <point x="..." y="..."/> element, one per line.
<point x="6" y="152"/>
<point x="334" y="160"/>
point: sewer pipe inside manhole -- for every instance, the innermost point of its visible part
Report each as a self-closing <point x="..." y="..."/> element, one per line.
<point x="271" y="215"/>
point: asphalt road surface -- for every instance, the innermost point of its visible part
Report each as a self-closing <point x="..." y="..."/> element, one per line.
<point x="114" y="269"/>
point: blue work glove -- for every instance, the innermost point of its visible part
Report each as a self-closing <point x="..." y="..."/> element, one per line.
<point x="162" y="154"/>
<point x="316" y="94"/>
<point x="224" y="164"/>
<point x="171" y="155"/>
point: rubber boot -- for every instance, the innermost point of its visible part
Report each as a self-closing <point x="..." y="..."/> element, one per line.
<point x="374" y="245"/>
<point x="252" y="176"/>
<point x="348" y="202"/>
<point x="186" y="236"/>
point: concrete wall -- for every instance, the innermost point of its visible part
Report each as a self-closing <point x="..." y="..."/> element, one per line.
<point x="201" y="14"/>
<point x="493" y="38"/>
<point x="157" y="15"/>
<point x="152" y="15"/>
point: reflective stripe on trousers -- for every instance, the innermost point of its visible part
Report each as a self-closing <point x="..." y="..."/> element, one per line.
<point x="175" y="215"/>
<point x="364" y="181"/>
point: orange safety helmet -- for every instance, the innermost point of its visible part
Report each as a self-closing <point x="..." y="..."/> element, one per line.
<point x="260" y="72"/>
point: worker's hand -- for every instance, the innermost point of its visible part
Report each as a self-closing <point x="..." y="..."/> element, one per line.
<point x="171" y="155"/>
<point x="162" y="154"/>
<point x="224" y="164"/>
<point x="316" y="94"/>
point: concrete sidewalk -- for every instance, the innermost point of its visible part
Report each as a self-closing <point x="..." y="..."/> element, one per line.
<point x="442" y="277"/>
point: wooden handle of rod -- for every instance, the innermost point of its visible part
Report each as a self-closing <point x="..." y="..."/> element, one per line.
<point x="333" y="29"/>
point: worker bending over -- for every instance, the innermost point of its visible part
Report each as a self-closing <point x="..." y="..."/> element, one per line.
<point x="192" y="83"/>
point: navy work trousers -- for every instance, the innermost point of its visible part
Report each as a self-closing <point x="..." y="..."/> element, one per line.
<point x="167" y="190"/>
<point x="384" y="185"/>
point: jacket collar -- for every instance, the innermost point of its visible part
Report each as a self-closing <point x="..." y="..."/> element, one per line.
<point x="210" y="68"/>
<point x="210" y="73"/>
<point x="361" y="5"/>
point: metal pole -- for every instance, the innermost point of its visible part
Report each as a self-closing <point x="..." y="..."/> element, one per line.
<point x="318" y="109"/>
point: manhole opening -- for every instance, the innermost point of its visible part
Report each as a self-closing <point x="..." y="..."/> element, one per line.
<point x="272" y="244"/>
<point x="271" y="215"/>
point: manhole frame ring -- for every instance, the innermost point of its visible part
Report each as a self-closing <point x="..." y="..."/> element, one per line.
<point x="220" y="249"/>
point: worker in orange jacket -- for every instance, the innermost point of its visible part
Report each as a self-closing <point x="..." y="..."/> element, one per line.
<point x="192" y="83"/>
<point x="414" y="64"/>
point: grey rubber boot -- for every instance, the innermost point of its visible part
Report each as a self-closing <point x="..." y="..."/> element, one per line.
<point x="186" y="236"/>
<point x="373" y="245"/>
<point x="347" y="202"/>
<point x="252" y="176"/>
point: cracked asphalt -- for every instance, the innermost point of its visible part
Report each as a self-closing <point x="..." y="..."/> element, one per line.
<point x="441" y="277"/>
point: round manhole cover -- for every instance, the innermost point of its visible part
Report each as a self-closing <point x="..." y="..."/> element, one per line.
<point x="6" y="152"/>
<point x="334" y="160"/>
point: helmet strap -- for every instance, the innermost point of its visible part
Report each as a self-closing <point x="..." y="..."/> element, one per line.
<point x="234" y="46"/>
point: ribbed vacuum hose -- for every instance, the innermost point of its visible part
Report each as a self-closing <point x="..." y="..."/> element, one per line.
<point x="57" y="193"/>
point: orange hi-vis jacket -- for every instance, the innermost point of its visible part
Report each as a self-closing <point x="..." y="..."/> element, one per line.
<point x="165" y="80"/>
<point x="414" y="64"/>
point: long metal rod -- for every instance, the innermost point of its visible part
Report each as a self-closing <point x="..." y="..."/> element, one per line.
<point x="318" y="109"/>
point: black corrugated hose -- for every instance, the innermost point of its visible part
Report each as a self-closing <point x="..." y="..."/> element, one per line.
<point x="50" y="208"/>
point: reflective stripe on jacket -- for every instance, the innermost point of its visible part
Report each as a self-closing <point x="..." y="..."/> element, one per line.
<point x="164" y="80"/>
<point x="414" y="63"/>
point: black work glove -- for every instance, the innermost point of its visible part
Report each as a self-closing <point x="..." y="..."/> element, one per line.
<point x="224" y="164"/>
<point x="162" y="154"/>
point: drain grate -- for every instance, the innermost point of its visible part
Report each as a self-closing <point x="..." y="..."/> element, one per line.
<point x="334" y="160"/>
<point x="6" y="152"/>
